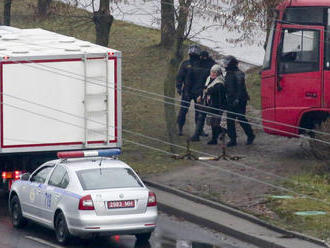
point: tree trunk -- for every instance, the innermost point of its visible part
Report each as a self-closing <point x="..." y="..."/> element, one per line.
<point x="43" y="6"/>
<point x="6" y="12"/>
<point x="172" y="69"/>
<point x="167" y="23"/>
<point x="103" y="21"/>
<point x="169" y="105"/>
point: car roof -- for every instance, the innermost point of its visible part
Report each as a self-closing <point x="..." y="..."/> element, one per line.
<point x="76" y="164"/>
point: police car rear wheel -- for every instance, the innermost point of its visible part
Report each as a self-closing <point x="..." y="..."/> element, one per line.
<point x="143" y="237"/>
<point x="61" y="229"/>
<point x="16" y="213"/>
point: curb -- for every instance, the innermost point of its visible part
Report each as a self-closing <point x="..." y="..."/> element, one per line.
<point x="233" y="211"/>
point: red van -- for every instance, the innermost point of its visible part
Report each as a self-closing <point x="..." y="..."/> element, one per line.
<point x="295" y="87"/>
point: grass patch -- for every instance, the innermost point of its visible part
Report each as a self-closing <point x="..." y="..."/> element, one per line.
<point x="253" y="84"/>
<point x="318" y="225"/>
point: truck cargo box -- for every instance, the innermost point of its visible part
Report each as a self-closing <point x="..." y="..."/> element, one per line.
<point x="57" y="92"/>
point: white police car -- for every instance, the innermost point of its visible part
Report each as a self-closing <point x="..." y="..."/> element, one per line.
<point x="85" y="193"/>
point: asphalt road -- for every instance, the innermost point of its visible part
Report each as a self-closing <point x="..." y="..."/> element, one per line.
<point x="171" y="232"/>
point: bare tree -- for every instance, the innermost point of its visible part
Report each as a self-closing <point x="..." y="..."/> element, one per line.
<point x="176" y="56"/>
<point x="248" y="16"/>
<point x="103" y="21"/>
<point x="43" y="7"/>
<point x="6" y="12"/>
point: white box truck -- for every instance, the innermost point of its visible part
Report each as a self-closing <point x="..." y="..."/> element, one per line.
<point x="56" y="93"/>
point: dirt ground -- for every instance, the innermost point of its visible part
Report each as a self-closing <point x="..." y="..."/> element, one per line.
<point x="246" y="183"/>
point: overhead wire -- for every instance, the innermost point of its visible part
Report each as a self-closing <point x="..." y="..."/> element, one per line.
<point x="251" y="117"/>
<point x="201" y="111"/>
<point x="204" y="163"/>
<point x="296" y="127"/>
<point x="146" y="136"/>
<point x="57" y="71"/>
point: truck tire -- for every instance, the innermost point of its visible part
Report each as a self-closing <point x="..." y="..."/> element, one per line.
<point x="143" y="237"/>
<point x="321" y="150"/>
<point x="16" y="213"/>
<point x="61" y="229"/>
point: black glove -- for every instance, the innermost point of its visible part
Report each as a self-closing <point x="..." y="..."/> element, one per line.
<point x="235" y="103"/>
<point x="179" y="91"/>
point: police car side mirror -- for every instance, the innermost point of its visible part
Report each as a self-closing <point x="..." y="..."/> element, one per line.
<point x="25" y="176"/>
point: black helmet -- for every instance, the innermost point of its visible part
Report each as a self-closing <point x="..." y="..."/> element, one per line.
<point x="194" y="50"/>
<point x="229" y="61"/>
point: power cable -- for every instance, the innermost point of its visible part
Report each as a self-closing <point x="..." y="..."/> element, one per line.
<point x="204" y="163"/>
<point x="198" y="105"/>
<point x="154" y="139"/>
<point x="254" y="124"/>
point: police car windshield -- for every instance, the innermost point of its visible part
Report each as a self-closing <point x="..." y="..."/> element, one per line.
<point x="108" y="178"/>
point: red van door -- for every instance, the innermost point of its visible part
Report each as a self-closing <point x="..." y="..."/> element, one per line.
<point x="299" y="72"/>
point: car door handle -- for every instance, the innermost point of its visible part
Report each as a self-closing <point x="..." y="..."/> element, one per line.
<point x="56" y="195"/>
<point x="39" y="191"/>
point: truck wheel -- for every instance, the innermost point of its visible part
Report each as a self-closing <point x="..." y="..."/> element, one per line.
<point x="143" y="237"/>
<point x="61" y="229"/>
<point x="321" y="150"/>
<point x="16" y="213"/>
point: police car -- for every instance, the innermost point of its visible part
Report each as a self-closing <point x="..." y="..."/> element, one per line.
<point x="85" y="193"/>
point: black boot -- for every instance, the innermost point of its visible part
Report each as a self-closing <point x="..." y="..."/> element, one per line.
<point x="204" y="134"/>
<point x="215" y="134"/>
<point x="250" y="139"/>
<point x="231" y="143"/>
<point x="180" y="130"/>
<point x="198" y="129"/>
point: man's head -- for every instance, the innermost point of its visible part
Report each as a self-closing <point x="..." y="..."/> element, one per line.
<point x="194" y="50"/>
<point x="230" y="62"/>
<point x="215" y="71"/>
<point x="204" y="55"/>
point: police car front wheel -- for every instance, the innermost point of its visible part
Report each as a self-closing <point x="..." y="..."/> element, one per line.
<point x="16" y="213"/>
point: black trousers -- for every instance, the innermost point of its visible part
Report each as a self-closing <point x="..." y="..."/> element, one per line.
<point x="232" y="117"/>
<point x="185" y="104"/>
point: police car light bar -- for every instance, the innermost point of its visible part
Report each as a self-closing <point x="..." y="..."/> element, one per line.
<point x="93" y="153"/>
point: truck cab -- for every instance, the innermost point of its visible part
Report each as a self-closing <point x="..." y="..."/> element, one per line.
<point x="295" y="85"/>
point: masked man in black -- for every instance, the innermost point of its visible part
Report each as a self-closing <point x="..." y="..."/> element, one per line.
<point x="237" y="98"/>
<point x="187" y="84"/>
<point x="214" y="100"/>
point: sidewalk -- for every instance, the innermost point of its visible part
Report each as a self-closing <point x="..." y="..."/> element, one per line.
<point x="228" y="220"/>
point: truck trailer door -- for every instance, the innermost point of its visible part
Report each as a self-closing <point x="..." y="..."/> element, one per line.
<point x="299" y="72"/>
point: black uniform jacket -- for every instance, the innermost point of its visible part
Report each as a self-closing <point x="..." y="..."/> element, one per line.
<point x="235" y="86"/>
<point x="185" y="68"/>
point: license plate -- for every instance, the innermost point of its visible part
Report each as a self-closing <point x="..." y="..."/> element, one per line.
<point x="121" y="204"/>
